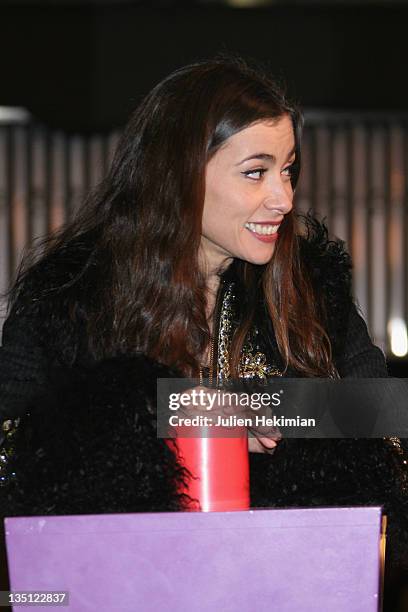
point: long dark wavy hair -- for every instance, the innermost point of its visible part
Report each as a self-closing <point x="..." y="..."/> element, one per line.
<point x="140" y="287"/>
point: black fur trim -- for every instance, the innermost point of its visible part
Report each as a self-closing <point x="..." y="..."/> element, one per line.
<point x="90" y="445"/>
<point x="329" y="266"/>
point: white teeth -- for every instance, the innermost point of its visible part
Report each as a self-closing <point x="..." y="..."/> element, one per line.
<point x="257" y="228"/>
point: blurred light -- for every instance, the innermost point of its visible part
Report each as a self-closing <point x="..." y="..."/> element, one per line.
<point x="14" y="114"/>
<point x="397" y="330"/>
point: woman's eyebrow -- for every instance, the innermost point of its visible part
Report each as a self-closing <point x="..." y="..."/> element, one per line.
<point x="265" y="156"/>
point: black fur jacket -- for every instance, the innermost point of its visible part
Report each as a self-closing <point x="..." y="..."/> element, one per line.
<point x="86" y="442"/>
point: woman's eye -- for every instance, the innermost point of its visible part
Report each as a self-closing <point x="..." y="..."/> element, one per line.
<point x="255" y="174"/>
<point x="288" y="171"/>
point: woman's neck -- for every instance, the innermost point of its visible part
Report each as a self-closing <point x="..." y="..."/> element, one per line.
<point x="212" y="286"/>
<point x="213" y="283"/>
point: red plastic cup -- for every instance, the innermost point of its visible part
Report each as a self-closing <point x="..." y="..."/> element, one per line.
<point x="220" y="469"/>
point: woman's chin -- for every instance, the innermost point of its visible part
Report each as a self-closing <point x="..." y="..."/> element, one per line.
<point x="259" y="259"/>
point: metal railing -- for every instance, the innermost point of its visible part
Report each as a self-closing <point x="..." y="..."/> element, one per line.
<point x="354" y="174"/>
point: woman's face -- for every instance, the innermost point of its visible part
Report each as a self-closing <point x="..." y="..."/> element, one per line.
<point x="247" y="193"/>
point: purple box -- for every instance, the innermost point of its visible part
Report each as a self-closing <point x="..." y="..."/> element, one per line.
<point x="286" y="560"/>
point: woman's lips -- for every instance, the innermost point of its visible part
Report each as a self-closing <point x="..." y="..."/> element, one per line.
<point x="264" y="237"/>
<point x="261" y="236"/>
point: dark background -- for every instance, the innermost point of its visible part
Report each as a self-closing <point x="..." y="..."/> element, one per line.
<point x="85" y="65"/>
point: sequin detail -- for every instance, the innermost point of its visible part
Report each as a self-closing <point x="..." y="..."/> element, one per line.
<point x="253" y="363"/>
<point x="8" y="433"/>
<point x="225" y="334"/>
<point x="401" y="459"/>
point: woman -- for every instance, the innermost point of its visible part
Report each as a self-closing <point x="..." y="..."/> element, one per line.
<point x="187" y="260"/>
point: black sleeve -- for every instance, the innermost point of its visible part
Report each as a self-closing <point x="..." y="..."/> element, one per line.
<point x="360" y="358"/>
<point x="38" y="331"/>
<point x="23" y="363"/>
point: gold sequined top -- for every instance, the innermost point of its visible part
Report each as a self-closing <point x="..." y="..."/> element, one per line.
<point x="253" y="363"/>
<point x="7" y="436"/>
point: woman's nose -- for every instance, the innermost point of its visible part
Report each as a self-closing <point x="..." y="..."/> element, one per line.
<point x="279" y="198"/>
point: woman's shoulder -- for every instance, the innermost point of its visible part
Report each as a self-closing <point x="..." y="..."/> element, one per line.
<point x="46" y="304"/>
<point x="52" y="274"/>
<point x="329" y="266"/>
<point x="326" y="258"/>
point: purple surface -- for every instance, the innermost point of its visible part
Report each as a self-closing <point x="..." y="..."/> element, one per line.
<point x="286" y="560"/>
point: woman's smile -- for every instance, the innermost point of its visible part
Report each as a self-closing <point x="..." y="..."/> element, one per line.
<point x="266" y="232"/>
